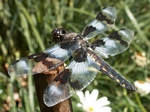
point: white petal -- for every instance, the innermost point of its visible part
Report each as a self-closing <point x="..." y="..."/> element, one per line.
<point x="90" y="104"/>
<point x="81" y="96"/>
<point x="143" y="87"/>
<point x="86" y="102"/>
<point x="103" y="109"/>
<point x="102" y="102"/>
<point x="93" y="96"/>
<point x="79" y="104"/>
<point x="87" y="95"/>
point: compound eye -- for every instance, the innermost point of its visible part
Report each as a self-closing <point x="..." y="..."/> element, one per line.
<point x="58" y="34"/>
<point x="63" y="31"/>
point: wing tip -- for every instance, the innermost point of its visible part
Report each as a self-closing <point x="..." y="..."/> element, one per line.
<point x="47" y="102"/>
<point x="110" y="12"/>
<point x="127" y="34"/>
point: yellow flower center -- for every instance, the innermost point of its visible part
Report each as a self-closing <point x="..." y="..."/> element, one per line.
<point x="91" y="109"/>
<point x="141" y="82"/>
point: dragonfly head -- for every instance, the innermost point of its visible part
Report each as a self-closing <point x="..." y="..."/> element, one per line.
<point x="58" y="34"/>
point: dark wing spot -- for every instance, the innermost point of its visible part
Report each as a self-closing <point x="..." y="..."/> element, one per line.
<point x="15" y="62"/>
<point x="88" y="30"/>
<point x="102" y="17"/>
<point x="68" y="44"/>
<point x="81" y="55"/>
<point x="63" y="76"/>
<point x="116" y="36"/>
<point x="38" y="56"/>
<point x="97" y="43"/>
<point x="75" y="85"/>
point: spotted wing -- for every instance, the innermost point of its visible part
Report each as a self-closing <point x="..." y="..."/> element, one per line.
<point x="43" y="60"/>
<point x="114" y="44"/>
<point x="79" y="73"/>
<point x="104" y="20"/>
<point x="107" y="70"/>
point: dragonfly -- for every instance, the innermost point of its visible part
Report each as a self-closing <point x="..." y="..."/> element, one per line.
<point x="87" y="58"/>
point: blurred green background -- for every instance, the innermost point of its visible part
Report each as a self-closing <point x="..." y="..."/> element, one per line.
<point x="25" y="28"/>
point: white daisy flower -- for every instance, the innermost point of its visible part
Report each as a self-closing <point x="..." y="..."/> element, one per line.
<point x="143" y="87"/>
<point x="90" y="103"/>
<point x="140" y="59"/>
<point x="148" y="80"/>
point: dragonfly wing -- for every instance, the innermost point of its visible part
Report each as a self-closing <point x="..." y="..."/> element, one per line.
<point x="114" y="44"/>
<point x="79" y="73"/>
<point x="47" y="60"/>
<point x="59" y="89"/>
<point x="104" y="20"/>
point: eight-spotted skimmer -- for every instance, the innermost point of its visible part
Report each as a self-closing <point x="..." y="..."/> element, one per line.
<point x="86" y="58"/>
